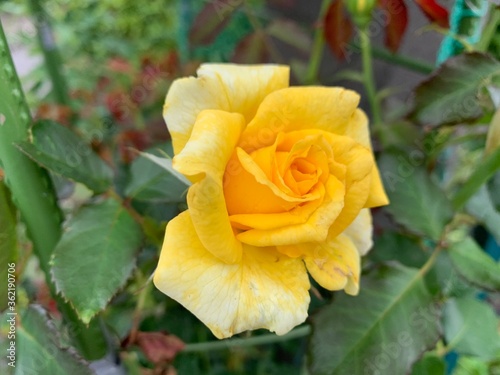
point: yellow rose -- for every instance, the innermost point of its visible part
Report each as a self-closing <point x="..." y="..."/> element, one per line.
<point x="283" y="179"/>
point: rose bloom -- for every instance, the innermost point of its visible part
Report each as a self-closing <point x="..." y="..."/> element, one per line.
<point x="283" y="179"/>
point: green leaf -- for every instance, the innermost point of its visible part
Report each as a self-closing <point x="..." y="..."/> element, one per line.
<point x="166" y="164"/>
<point x="471" y="366"/>
<point x="449" y="96"/>
<point x="383" y="330"/>
<point x="472" y="263"/>
<point x="394" y="246"/>
<point x="483" y="172"/>
<point x="63" y="152"/>
<point x="8" y="240"/>
<point x="430" y="364"/>
<point x="415" y="200"/>
<point x="95" y="256"/>
<point x="153" y="179"/>
<point x="41" y="349"/>
<point x="443" y="280"/>
<point x="471" y="327"/>
<point x="482" y="208"/>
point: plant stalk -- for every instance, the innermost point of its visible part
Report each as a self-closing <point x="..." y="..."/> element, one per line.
<point x="490" y="29"/>
<point x="317" y="48"/>
<point x="245" y="342"/>
<point x="33" y="194"/>
<point x="368" y="79"/>
<point x="396" y="59"/>
<point x="52" y="58"/>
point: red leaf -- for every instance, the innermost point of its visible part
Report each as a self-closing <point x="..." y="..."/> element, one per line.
<point x="120" y="105"/>
<point x="211" y="20"/>
<point x="396" y="22"/>
<point x="434" y="12"/>
<point x="337" y="29"/>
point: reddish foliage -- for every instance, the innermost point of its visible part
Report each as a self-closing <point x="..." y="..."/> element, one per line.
<point x="397" y="22"/>
<point x="56" y="112"/>
<point x="160" y="348"/>
<point x="434" y="12"/>
<point x="119" y="105"/>
<point x="44" y="298"/>
<point x="120" y="65"/>
<point x="338" y="29"/>
<point x="129" y="140"/>
<point x="170" y="64"/>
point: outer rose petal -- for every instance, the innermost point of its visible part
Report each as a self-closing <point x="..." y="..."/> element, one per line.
<point x="265" y="290"/>
<point x="300" y="108"/>
<point x="233" y="88"/>
<point x="246" y="86"/>
<point x="204" y="159"/>
<point x="358" y="130"/>
<point x="360" y="231"/>
<point x="335" y="264"/>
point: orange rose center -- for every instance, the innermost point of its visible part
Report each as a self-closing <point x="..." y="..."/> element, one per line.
<point x="279" y="177"/>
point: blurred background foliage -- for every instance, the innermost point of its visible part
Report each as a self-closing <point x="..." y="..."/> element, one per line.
<point x="98" y="75"/>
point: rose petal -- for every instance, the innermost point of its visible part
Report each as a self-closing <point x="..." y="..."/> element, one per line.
<point x="360" y="231"/>
<point x="298" y="215"/>
<point x="358" y="129"/>
<point x="298" y="108"/>
<point x="335" y="264"/>
<point x="314" y="229"/>
<point x="233" y="88"/>
<point x="359" y="162"/>
<point x="265" y="290"/>
<point x="251" y="191"/>
<point x="246" y="86"/>
<point x="204" y="158"/>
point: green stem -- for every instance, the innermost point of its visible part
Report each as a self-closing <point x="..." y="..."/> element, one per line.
<point x="33" y="194"/>
<point x="245" y="342"/>
<point x="490" y="29"/>
<point x="317" y="48"/>
<point x="394" y="58"/>
<point x="141" y="302"/>
<point x="368" y="80"/>
<point x="50" y="52"/>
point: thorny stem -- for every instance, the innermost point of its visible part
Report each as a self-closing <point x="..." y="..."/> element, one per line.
<point x="34" y="195"/>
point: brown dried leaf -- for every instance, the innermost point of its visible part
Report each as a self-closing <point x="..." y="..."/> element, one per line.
<point x="159" y="347"/>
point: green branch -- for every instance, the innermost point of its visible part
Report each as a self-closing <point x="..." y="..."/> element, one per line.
<point x="317" y="48"/>
<point x="50" y="52"/>
<point x="368" y="79"/>
<point x="396" y="59"/>
<point x="245" y="342"/>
